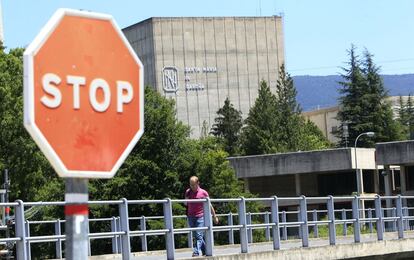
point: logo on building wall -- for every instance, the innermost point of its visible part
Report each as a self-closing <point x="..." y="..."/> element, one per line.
<point x="170" y="79"/>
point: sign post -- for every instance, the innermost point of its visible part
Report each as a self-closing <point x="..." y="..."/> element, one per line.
<point x="83" y="106"/>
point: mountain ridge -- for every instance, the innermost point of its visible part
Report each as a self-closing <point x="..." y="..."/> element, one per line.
<point x="322" y="91"/>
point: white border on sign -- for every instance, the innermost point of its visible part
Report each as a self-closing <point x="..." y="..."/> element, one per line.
<point x="28" y="93"/>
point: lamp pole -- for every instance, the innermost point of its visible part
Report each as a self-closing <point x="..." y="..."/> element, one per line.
<point x="358" y="174"/>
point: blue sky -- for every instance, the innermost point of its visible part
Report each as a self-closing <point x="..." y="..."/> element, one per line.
<point x="317" y="32"/>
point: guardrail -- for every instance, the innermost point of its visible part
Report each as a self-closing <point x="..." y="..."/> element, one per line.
<point x="275" y="222"/>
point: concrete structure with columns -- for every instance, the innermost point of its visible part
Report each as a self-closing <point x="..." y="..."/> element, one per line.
<point x="400" y="154"/>
<point x="200" y="61"/>
<point x="312" y="173"/>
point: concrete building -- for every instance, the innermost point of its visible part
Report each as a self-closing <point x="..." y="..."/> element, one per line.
<point x="312" y="173"/>
<point x="399" y="154"/>
<point x="325" y="119"/>
<point x="200" y="61"/>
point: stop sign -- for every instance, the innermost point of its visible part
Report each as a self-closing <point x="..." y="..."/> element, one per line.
<point x="83" y="94"/>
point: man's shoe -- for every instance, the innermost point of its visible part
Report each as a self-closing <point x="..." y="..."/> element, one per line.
<point x="194" y="255"/>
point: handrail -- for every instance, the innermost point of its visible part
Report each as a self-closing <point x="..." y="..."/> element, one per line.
<point x="395" y="217"/>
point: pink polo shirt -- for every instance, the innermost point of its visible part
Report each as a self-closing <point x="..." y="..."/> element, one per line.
<point x="195" y="209"/>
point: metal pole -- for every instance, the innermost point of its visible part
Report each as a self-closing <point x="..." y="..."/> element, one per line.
<point x="208" y="222"/>
<point x="315" y="226"/>
<point x="400" y="220"/>
<point x="242" y="222"/>
<point x="284" y="229"/>
<point x="344" y="227"/>
<point x="267" y="230"/>
<point x="370" y="222"/>
<point x="21" y="252"/>
<point x="230" y="223"/>
<point x="143" y="227"/>
<point x="124" y="222"/>
<point x="249" y="229"/>
<point x="76" y="212"/>
<point x="304" y="220"/>
<point x="27" y="226"/>
<point x="355" y="216"/>
<point x="169" y="236"/>
<point x="58" y="232"/>
<point x="115" y="238"/>
<point x="378" y="215"/>
<point x="276" y="227"/>
<point x="331" y="217"/>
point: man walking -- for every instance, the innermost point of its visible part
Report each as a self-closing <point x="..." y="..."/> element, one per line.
<point x="195" y="214"/>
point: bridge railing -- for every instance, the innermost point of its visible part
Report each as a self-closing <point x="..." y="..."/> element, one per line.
<point x="275" y="222"/>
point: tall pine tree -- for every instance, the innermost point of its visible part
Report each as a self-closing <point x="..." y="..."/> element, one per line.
<point x="227" y="126"/>
<point x="409" y="110"/>
<point x="363" y="104"/>
<point x="259" y="134"/>
<point x="290" y="121"/>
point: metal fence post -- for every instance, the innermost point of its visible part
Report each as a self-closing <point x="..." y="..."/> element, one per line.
<point x="21" y="252"/>
<point x="89" y="240"/>
<point x="370" y="221"/>
<point x="118" y="226"/>
<point x="315" y="226"/>
<point x="230" y="223"/>
<point x="249" y="229"/>
<point x="331" y="217"/>
<point x="407" y="221"/>
<point x="304" y="220"/>
<point x="394" y="221"/>
<point x="58" y="232"/>
<point x="400" y="220"/>
<point x="124" y="222"/>
<point x="242" y="222"/>
<point x="27" y="227"/>
<point x="355" y="216"/>
<point x="345" y="226"/>
<point x="299" y="228"/>
<point x="267" y="230"/>
<point x="114" y="238"/>
<point x="276" y="227"/>
<point x="284" y="229"/>
<point x="169" y="236"/>
<point x="208" y="222"/>
<point x="143" y="227"/>
<point x="378" y="215"/>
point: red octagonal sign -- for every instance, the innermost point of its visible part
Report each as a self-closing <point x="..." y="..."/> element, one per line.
<point x="83" y="94"/>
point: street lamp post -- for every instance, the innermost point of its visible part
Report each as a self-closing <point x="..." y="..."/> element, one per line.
<point x="358" y="174"/>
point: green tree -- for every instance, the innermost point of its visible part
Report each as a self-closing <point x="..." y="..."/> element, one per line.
<point x="403" y="117"/>
<point x="379" y="114"/>
<point x="363" y="104"/>
<point x="30" y="172"/>
<point x="290" y="122"/>
<point x="227" y="127"/>
<point x="312" y="137"/>
<point x="259" y="135"/>
<point x="409" y="110"/>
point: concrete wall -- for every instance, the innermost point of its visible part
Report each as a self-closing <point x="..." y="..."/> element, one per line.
<point x="395" y="153"/>
<point x="215" y="58"/>
<point x="390" y="250"/>
<point x="331" y="160"/>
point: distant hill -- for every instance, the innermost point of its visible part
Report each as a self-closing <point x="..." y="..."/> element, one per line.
<point x="322" y="91"/>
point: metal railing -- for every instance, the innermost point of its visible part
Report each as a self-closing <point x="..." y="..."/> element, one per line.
<point x="275" y="222"/>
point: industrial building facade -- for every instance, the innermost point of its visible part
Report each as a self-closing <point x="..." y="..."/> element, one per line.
<point x="200" y="61"/>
